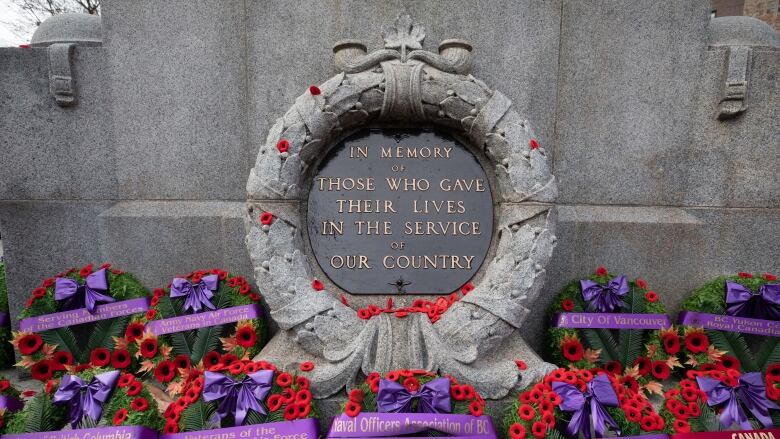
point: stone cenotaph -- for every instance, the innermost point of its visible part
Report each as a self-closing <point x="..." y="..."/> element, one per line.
<point x="398" y="181"/>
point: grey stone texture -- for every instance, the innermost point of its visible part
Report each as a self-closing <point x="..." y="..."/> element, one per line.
<point x="148" y="169"/>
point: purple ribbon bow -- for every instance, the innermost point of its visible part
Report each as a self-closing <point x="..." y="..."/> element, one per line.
<point x="588" y="407"/>
<point x="751" y="391"/>
<point x="433" y="396"/>
<point x="604" y="298"/>
<point x="238" y="397"/>
<point x="197" y="294"/>
<point x="86" y="295"/>
<point x="85" y="399"/>
<point x="741" y="302"/>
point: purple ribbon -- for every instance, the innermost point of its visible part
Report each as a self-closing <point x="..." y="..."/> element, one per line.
<point x="4" y="318"/>
<point x="300" y="428"/>
<point x="433" y="396"/>
<point x="85" y="399"/>
<point x="588" y="407"/>
<point x="764" y="304"/>
<point x="11" y="403"/>
<point x="197" y="295"/>
<point x="238" y="397"/>
<point x="85" y="295"/>
<point x="610" y="320"/>
<point x="397" y="425"/>
<point x="751" y="391"/>
<point x="125" y="431"/>
<point x="605" y="298"/>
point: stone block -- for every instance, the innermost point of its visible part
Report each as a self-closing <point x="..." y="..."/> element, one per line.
<point x="50" y="152"/>
<point x="178" y="98"/>
<point x="289" y="48"/>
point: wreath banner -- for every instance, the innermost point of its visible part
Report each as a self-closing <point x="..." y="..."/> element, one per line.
<point x="129" y="432"/>
<point x="744" y="325"/>
<point x="204" y="319"/>
<point x="302" y="428"/>
<point x="407" y="402"/>
<point x="731" y="434"/>
<point x="582" y="320"/>
<point x="80" y="316"/>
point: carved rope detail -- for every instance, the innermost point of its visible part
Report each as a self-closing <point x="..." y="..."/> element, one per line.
<point x="471" y="329"/>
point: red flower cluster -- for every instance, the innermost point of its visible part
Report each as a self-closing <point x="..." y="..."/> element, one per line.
<point x="434" y="309"/>
<point x="410" y="379"/>
<point x="295" y="398"/>
<point x="537" y="405"/>
<point x="572" y="349"/>
<point x="696" y="341"/>
<point x="132" y="387"/>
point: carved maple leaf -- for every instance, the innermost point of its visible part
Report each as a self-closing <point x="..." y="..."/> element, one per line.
<point x="404" y="35"/>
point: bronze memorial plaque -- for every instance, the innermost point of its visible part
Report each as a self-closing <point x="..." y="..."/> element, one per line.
<point x="400" y="211"/>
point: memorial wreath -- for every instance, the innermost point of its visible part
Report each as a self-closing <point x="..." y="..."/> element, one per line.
<point x="202" y="317"/>
<point x="242" y="393"/>
<point x="737" y="316"/>
<point x="75" y="317"/>
<point x="604" y="320"/>
<point x="90" y="398"/>
<point x="10" y="402"/>
<point x="567" y="403"/>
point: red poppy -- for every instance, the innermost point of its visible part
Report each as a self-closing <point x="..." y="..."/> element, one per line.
<point x="567" y="305"/>
<point x="517" y="431"/>
<point x="182" y="362"/>
<point x="266" y="218"/>
<point x="236" y="368"/>
<point x="151" y="314"/>
<point x="745" y="275"/>
<point x="284" y="379"/>
<point x="254" y="296"/>
<point x="601" y="271"/>
<point x="48" y="282"/>
<point x="660" y="370"/>
<point x="302" y="382"/>
<point x="171" y="427"/>
<point x="671" y="343"/>
<point x="306" y="366"/>
<point x="644" y="365"/>
<point x="165" y="371"/>
<point x="769" y="277"/>
<point x="125" y="380"/>
<point x="139" y="404"/>
<point x="633" y="414"/>
<point x="134" y="331"/>
<point x="149" y="348"/>
<point x="303" y="409"/>
<point x="356" y="395"/>
<point x="246" y="336"/>
<point x="572" y="350"/>
<point x="29" y="393"/>
<point x="476" y="408"/>
<point x="613" y="367"/>
<point x="158" y="292"/>
<point x="100" y="357"/>
<point x="314" y="90"/>
<point x="526" y="412"/>
<point x="467" y="288"/>
<point x="648" y="423"/>
<point x="697" y="342"/>
<point x="4" y="385"/>
<point x="244" y="289"/>
<point x="291" y="412"/>
<point x="39" y="292"/>
<point x="730" y="362"/>
<point x="29" y="344"/>
<point x="120" y="416"/>
<point x="317" y="285"/>
<point x="352" y="409"/>
<point x="641" y="283"/>
<point x="681" y="426"/>
<point x="533" y="143"/>
<point x="283" y="145"/>
<point x="85" y="271"/>
<point x="120" y="359"/>
<point x="539" y="429"/>
<point x="364" y="313"/>
<point x="411" y="384"/>
<point x="651" y="296"/>
<point x="211" y="358"/>
<point x="228" y="359"/>
<point x="521" y="364"/>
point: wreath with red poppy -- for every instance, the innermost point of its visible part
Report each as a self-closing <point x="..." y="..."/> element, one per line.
<point x="169" y="357"/>
<point x="289" y="398"/>
<point x="50" y="353"/>
<point x="6" y="413"/>
<point x="588" y="347"/>
<point x="130" y="403"/>
<point x="687" y="407"/>
<point x="464" y="399"/>
<point x="538" y="412"/>
<point x="750" y="352"/>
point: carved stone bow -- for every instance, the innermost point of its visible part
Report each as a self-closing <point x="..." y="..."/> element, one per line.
<point x="433" y="396"/>
<point x="85" y="295"/>
<point x="238" y="397"/>
<point x="605" y="298"/>
<point x="588" y="408"/>
<point x="197" y="295"/>
<point x="85" y="399"/>
<point x="751" y="392"/>
<point x="764" y="304"/>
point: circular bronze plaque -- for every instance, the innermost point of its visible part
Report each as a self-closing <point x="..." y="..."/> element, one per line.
<point x="400" y="212"/>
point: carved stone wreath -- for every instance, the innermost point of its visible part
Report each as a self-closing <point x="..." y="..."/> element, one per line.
<point x="477" y="339"/>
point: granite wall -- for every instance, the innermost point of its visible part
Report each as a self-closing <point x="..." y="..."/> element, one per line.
<point x="148" y="170"/>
